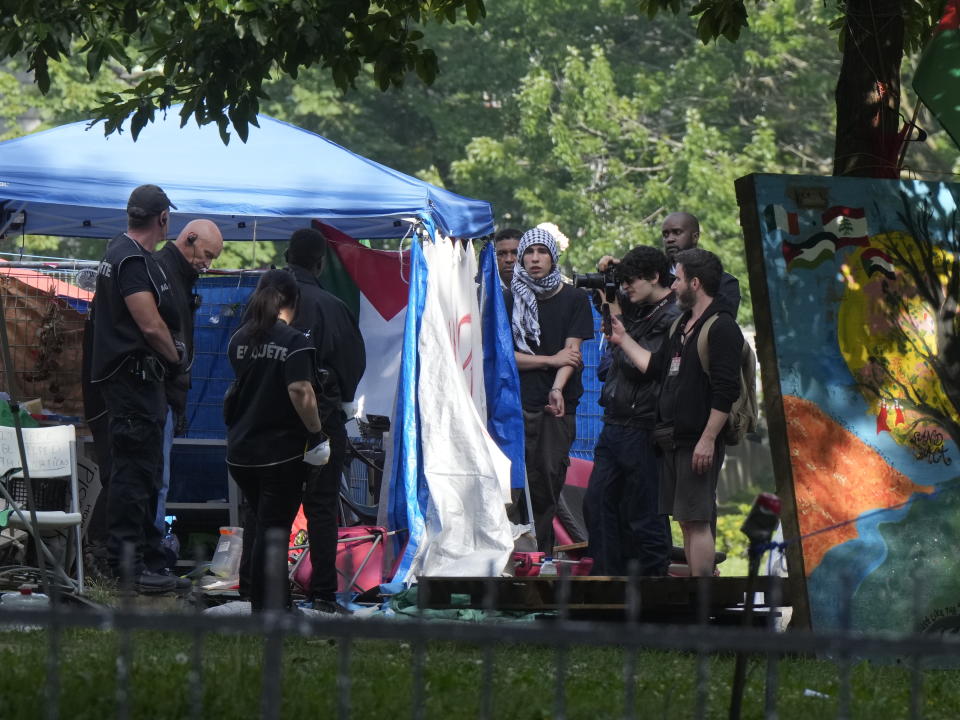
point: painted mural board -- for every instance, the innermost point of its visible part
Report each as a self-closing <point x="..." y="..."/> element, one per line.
<point x="855" y="285"/>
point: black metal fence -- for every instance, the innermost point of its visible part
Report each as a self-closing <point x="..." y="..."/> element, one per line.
<point x="564" y="634"/>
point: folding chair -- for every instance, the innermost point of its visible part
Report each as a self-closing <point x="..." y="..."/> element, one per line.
<point x="51" y="452"/>
<point x="359" y="556"/>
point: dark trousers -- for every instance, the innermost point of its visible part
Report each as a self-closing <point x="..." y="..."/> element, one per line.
<point x="273" y="496"/>
<point x="548" y="441"/>
<point x="620" y="507"/>
<point x="320" y="506"/>
<point x="97" y="527"/>
<point x="136" y="409"/>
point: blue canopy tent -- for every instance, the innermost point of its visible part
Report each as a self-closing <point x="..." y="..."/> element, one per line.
<point x="72" y="181"/>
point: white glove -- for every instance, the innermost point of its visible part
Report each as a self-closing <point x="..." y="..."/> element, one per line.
<point x="350" y="409"/>
<point x="318" y="455"/>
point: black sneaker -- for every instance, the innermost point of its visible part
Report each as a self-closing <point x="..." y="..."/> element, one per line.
<point x="331" y="607"/>
<point x="149" y="583"/>
<point x="183" y="584"/>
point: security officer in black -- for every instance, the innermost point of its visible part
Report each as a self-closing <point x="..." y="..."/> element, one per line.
<point x="134" y="318"/>
<point x="183" y="260"/>
<point x="341" y="360"/>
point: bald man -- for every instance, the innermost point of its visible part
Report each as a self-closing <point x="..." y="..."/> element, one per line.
<point x="183" y="260"/>
<point x="681" y="231"/>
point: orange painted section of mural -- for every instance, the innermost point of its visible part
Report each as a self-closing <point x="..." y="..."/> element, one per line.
<point x="836" y="477"/>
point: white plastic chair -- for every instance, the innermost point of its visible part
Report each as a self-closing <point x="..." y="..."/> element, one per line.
<point x="51" y="453"/>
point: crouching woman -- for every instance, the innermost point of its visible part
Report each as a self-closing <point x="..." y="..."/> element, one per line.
<point x="272" y="419"/>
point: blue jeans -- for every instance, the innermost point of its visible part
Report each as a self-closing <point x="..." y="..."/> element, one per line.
<point x="620" y="507"/>
<point x="160" y="520"/>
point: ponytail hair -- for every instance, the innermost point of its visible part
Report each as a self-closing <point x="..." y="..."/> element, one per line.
<point x="277" y="289"/>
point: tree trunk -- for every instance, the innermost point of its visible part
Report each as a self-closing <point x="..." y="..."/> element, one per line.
<point x="868" y="90"/>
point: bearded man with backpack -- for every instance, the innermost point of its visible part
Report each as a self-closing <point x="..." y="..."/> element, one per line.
<point x="695" y="402"/>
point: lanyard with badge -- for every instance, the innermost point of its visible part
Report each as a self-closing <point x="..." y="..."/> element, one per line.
<point x="675" y="360"/>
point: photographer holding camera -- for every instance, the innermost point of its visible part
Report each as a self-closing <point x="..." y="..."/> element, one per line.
<point x="620" y="507"/>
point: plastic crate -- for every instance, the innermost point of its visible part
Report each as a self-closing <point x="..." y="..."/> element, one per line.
<point x="48" y="493"/>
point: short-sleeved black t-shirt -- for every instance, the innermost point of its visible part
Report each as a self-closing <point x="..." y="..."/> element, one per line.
<point x="126" y="268"/>
<point x="268" y="429"/>
<point x="565" y="315"/>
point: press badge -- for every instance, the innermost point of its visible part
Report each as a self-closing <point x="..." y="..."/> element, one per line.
<point x="674" y="365"/>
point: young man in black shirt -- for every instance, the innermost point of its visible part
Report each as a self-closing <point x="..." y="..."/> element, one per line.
<point x="693" y="405"/>
<point x="549" y="320"/>
<point x="621" y="503"/>
<point x="133" y="351"/>
<point x="341" y="360"/>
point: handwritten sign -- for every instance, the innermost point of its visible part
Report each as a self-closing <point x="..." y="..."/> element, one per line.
<point x="48" y="450"/>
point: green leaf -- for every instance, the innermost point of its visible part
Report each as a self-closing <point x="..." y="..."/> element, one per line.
<point x="41" y="73"/>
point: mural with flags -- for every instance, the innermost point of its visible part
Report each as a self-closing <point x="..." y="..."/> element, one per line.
<point x="811" y="239"/>
<point x="862" y="320"/>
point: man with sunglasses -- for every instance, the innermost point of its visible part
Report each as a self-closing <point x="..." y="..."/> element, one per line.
<point x="183" y="260"/>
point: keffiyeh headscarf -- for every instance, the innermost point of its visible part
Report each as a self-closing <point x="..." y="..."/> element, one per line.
<point x="526" y="290"/>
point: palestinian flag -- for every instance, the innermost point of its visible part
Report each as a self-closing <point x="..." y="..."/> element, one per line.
<point x="375" y="285"/>
<point x="937" y="80"/>
<point x="811" y="252"/>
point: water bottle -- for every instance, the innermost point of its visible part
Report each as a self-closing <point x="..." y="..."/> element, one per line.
<point x="24" y="599"/>
<point x="549" y="567"/>
<point x="226" y="559"/>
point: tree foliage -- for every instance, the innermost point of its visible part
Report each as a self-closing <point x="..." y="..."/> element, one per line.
<point x="582" y="112"/>
<point x="214" y="55"/>
<point x="729" y="18"/>
<point x="873" y="37"/>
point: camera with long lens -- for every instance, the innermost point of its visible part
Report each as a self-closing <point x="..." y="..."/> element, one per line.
<point x="605" y="281"/>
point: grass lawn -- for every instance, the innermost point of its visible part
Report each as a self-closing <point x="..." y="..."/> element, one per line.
<point x="382" y="685"/>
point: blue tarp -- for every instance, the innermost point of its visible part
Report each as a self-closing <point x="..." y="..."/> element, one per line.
<point x="73" y="181"/>
<point x="500" y="376"/>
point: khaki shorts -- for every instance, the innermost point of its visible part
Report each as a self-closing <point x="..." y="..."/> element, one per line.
<point x="686" y="495"/>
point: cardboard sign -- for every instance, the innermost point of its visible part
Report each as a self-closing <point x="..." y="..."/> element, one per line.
<point x="48" y="450"/>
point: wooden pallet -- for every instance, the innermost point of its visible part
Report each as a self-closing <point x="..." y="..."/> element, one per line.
<point x="658" y="595"/>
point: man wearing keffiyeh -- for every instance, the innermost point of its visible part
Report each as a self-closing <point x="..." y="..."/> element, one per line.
<point x="549" y="321"/>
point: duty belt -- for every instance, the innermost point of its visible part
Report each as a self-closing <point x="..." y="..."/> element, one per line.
<point x="148" y="368"/>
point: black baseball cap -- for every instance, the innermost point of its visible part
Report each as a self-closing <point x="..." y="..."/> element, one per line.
<point x="147" y="201"/>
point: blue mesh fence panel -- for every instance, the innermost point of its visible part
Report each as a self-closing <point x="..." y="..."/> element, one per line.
<point x="216" y="321"/>
<point x="589" y="412"/>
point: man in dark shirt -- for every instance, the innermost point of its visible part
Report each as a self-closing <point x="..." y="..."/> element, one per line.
<point x="341" y="360"/>
<point x="505" y="244"/>
<point x="133" y="351"/>
<point x="693" y="405"/>
<point x="621" y="504"/>
<point x="183" y="260"/>
<point x="681" y="231"/>
<point x="549" y="319"/>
